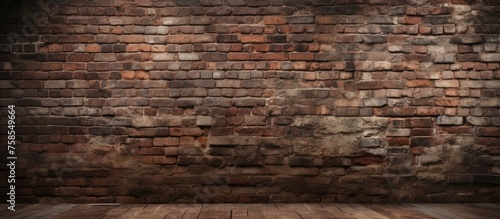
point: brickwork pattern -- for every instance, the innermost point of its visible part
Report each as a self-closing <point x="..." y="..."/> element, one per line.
<point x="253" y="101"/>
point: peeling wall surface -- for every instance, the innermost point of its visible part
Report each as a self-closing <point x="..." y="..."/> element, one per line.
<point x="144" y="101"/>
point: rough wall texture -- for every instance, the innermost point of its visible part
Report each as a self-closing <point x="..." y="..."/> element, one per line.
<point x="253" y="101"/>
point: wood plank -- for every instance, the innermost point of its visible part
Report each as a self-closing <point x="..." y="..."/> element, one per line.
<point x="5" y="211"/>
<point x="191" y="211"/>
<point x="53" y="211"/>
<point x="255" y="211"/>
<point x="335" y="211"/>
<point x="117" y="211"/>
<point x="223" y="211"/>
<point x="271" y="211"/>
<point x="96" y="211"/>
<point x="73" y="212"/>
<point x="260" y="211"/>
<point x="162" y="210"/>
<point x="303" y="210"/>
<point x="490" y="206"/>
<point x="359" y="211"/>
<point x="238" y="211"/>
<point x="26" y="211"/>
<point x="459" y="209"/>
<point x="287" y="211"/>
<point x="482" y="211"/>
<point x="29" y="210"/>
<point x="135" y="212"/>
<point x="435" y="211"/>
<point x="45" y="209"/>
<point x="397" y="211"/>
<point x="320" y="211"/>
<point x="148" y="210"/>
<point x="208" y="211"/>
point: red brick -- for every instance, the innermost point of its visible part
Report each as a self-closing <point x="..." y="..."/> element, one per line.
<point x="487" y="141"/>
<point x="141" y="142"/>
<point x="422" y="132"/>
<point x="398" y="141"/>
<point x="488" y="131"/>
<point x="419" y="83"/>
<point x="151" y="151"/>
<point x="417" y="150"/>
<point x="369" y="85"/>
<point x="186" y="131"/>
<point x="166" y="141"/>
<point x="267" y="56"/>
<point x="271" y="20"/>
<point x="52" y="66"/>
<point x="237" y="56"/>
<point x="460" y="130"/>
<point x="165" y="160"/>
<point x="145" y="159"/>
<point x="430" y="111"/>
<point x="421" y="123"/>
<point x="92" y="48"/>
<point x="365" y="161"/>
<point x="252" y="39"/>
<point x="410" y="20"/>
<point x="301" y="56"/>
<point x="132" y="39"/>
<point x="449" y="102"/>
<point x="79" y="57"/>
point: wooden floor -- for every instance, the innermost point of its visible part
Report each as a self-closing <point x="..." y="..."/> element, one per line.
<point x="256" y="211"/>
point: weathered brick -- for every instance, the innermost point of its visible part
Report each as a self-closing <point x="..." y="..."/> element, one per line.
<point x="165" y="160"/>
<point x="488" y="131"/>
<point x="188" y="102"/>
<point x="375" y="102"/>
<point x="369" y="142"/>
<point x="489" y="102"/>
<point x="272" y="20"/>
<point x="300" y="19"/>
<point x="367" y="160"/>
<point x="490" y="57"/>
<point x="446" y="83"/>
<point x="398" y="141"/>
<point x="162" y="102"/>
<point x="227" y="38"/>
<point x="372" y="39"/>
<point x="252" y="39"/>
<point x="399" y="132"/>
<point x="54" y="84"/>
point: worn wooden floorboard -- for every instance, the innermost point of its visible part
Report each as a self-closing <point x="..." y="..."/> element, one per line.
<point x="397" y="211"/>
<point x="256" y="211"/>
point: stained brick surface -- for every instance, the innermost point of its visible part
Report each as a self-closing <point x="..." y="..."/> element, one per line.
<point x="252" y="101"/>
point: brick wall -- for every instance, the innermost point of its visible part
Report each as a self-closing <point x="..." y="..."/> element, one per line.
<point x="253" y="101"/>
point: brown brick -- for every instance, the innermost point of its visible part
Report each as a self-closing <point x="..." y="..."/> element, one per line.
<point x="410" y="20"/>
<point x="448" y="102"/>
<point x="422" y="132"/>
<point x="271" y="20"/>
<point x="267" y="56"/>
<point x="170" y="141"/>
<point x="419" y="83"/>
<point x="165" y="160"/>
<point x="237" y="56"/>
<point x="421" y="123"/>
<point x="417" y="150"/>
<point x="301" y="56"/>
<point x="252" y="39"/>
<point x="488" y="131"/>
<point x="367" y="160"/>
<point x="369" y="85"/>
<point x="398" y="141"/>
